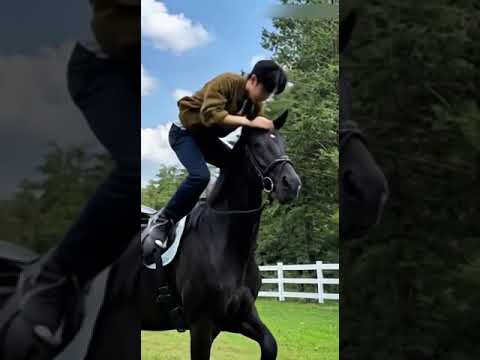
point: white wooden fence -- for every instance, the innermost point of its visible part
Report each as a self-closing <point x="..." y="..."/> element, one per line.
<point x="319" y="281"/>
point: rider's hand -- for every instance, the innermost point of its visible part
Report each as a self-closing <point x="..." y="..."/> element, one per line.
<point x="262" y="123"/>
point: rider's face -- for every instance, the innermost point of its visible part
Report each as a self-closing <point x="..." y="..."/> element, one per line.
<point x="256" y="91"/>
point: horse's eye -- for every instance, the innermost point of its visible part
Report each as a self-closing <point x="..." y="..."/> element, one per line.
<point x="256" y="145"/>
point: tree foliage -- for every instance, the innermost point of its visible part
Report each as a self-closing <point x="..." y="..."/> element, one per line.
<point x="410" y="289"/>
<point x="307" y="230"/>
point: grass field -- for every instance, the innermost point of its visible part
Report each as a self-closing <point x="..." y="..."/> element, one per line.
<point x="303" y="331"/>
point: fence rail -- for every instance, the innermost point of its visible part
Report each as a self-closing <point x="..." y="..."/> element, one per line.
<point x="319" y="267"/>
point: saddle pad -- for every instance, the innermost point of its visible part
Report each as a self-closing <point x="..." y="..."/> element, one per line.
<point x="170" y="253"/>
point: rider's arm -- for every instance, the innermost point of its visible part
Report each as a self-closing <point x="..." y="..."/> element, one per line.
<point x="213" y="109"/>
<point x="259" y="122"/>
<point x="236" y="120"/>
<point x="218" y="92"/>
<point x="215" y="100"/>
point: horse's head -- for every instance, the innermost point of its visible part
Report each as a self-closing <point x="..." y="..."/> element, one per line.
<point x="265" y="151"/>
<point x="363" y="186"/>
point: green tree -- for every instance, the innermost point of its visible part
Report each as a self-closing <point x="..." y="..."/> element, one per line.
<point x="159" y="190"/>
<point x="415" y="88"/>
<point x="307" y="230"/>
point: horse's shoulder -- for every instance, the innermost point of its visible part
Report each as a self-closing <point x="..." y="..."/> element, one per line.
<point x="197" y="212"/>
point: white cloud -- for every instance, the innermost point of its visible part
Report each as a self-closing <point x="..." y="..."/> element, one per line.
<point x="148" y="82"/>
<point x="156" y="148"/>
<point x="171" y="31"/>
<point x="155" y="152"/>
<point x="179" y="93"/>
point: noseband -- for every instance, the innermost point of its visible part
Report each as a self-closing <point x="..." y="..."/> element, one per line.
<point x="267" y="182"/>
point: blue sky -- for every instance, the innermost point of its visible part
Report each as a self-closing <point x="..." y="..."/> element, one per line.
<point x="184" y="44"/>
<point x="215" y="36"/>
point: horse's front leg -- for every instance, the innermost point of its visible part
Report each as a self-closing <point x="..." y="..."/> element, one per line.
<point x="252" y="327"/>
<point x="202" y="334"/>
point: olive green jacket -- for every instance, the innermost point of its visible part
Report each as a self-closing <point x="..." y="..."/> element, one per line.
<point x="225" y="94"/>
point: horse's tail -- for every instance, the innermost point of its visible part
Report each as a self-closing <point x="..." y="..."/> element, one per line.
<point x="240" y="303"/>
<point x="13" y="260"/>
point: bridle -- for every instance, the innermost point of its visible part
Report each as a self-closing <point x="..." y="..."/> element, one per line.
<point x="267" y="182"/>
<point x="268" y="185"/>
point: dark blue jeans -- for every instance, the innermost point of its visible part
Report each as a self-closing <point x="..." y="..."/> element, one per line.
<point x="194" y="148"/>
<point x="108" y="94"/>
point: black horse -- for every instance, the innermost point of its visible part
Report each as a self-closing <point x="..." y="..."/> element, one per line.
<point x="363" y="186"/>
<point x="214" y="275"/>
<point x="127" y="303"/>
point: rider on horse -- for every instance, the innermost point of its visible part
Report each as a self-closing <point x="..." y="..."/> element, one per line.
<point x="223" y="104"/>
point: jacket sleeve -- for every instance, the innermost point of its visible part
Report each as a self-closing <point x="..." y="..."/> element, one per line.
<point x="215" y="99"/>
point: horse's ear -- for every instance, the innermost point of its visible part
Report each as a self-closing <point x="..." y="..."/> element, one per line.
<point x="280" y="121"/>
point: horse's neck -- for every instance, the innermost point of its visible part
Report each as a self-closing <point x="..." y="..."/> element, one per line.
<point x="237" y="189"/>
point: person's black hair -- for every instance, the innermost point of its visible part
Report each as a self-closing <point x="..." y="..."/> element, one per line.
<point x="270" y="75"/>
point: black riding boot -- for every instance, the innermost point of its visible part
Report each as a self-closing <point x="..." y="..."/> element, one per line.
<point x="42" y="316"/>
<point x="158" y="233"/>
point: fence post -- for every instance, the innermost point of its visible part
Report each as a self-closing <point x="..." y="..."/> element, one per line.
<point x="320" y="281"/>
<point x="281" y="296"/>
